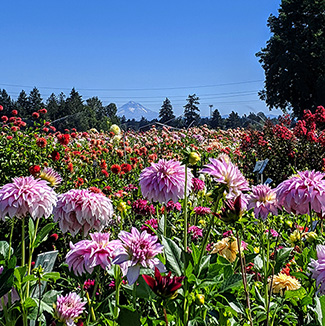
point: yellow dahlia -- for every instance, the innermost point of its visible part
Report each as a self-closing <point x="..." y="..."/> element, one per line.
<point x="283" y="282"/>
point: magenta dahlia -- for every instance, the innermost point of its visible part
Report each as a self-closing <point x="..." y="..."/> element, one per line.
<point x="81" y="210"/>
<point x="164" y="181"/>
<point x="68" y="308"/>
<point x="317" y="267"/>
<point x="86" y="254"/>
<point x="224" y="171"/>
<point x="201" y="210"/>
<point x="140" y="249"/>
<point x="307" y="188"/>
<point x="263" y="200"/>
<point x="26" y="195"/>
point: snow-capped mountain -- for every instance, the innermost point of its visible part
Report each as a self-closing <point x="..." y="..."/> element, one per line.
<point x="133" y="110"/>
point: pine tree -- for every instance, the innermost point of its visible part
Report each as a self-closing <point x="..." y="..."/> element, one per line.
<point x="23" y="104"/>
<point x="216" y="121"/>
<point x="166" y="112"/>
<point x="191" y="116"/>
<point x="6" y="102"/>
<point x="233" y="121"/>
<point x="110" y="111"/>
<point x="52" y="106"/>
<point x="35" y="102"/>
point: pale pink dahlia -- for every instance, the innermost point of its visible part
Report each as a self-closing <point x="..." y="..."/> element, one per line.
<point x="26" y="195"/>
<point x="224" y="171"/>
<point x="164" y="181"/>
<point x="51" y="176"/>
<point x="81" y="210"/>
<point x="317" y="267"/>
<point x="68" y="308"/>
<point x="140" y="249"/>
<point x="263" y="200"/>
<point x="304" y="189"/>
<point x="86" y="254"/>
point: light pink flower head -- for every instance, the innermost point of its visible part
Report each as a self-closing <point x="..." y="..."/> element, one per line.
<point x="86" y="254"/>
<point x="224" y="171"/>
<point x="68" y="308"/>
<point x="263" y="200"/>
<point x="81" y="210"/>
<point x="317" y="267"/>
<point x="26" y="195"/>
<point x="164" y="181"/>
<point x="304" y="189"/>
<point x="140" y="249"/>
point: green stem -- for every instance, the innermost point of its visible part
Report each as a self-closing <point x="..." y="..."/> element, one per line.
<point x="10" y="238"/>
<point x="23" y="246"/>
<point x="185" y="212"/>
<point x="165" y="221"/>
<point x="117" y="277"/>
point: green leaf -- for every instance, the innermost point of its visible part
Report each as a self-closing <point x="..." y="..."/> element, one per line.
<point x="50" y="276"/>
<point x="50" y="297"/>
<point x="300" y="293"/>
<point x="197" y="321"/>
<point x="234" y="281"/>
<point x="31" y="229"/>
<point x="320" y="309"/>
<point x="42" y="235"/>
<point x="29" y="303"/>
<point x="282" y="255"/>
<point x="6" y="281"/>
<point x="20" y="273"/>
<point x="4" y="250"/>
<point x="127" y="317"/>
<point x="173" y="256"/>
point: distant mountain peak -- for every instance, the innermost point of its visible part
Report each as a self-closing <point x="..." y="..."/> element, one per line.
<point x="133" y="110"/>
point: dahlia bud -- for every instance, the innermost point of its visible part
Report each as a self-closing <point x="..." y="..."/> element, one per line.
<point x="194" y="158"/>
<point x="199" y="299"/>
<point x="232" y="211"/>
<point x="121" y="206"/>
<point x="311" y="236"/>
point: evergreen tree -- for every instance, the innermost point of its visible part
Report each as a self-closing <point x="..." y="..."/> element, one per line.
<point x="166" y="112"/>
<point x="6" y="102"/>
<point x="52" y="106"/>
<point x="23" y="104"/>
<point x="110" y="111"/>
<point x="233" y="121"/>
<point x="216" y="121"/>
<point x="35" y="102"/>
<point x="73" y="103"/>
<point x="190" y="111"/>
<point x="294" y="57"/>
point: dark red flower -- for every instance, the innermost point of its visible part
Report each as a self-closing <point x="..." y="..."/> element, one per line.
<point x="4" y="118"/>
<point x="126" y="168"/>
<point x="107" y="190"/>
<point x="1" y="107"/>
<point x="41" y="142"/>
<point x="55" y="156"/>
<point x="64" y="139"/>
<point x="43" y="111"/>
<point x="70" y="167"/>
<point x="34" y="170"/>
<point x="106" y="174"/>
<point x="164" y="286"/>
<point x="115" y="168"/>
<point x="35" y="115"/>
<point x="14" y="112"/>
<point x="54" y="237"/>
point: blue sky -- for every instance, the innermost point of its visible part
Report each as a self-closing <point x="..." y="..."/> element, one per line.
<point x="138" y="50"/>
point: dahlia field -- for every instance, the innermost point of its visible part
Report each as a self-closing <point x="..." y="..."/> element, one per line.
<point x="163" y="227"/>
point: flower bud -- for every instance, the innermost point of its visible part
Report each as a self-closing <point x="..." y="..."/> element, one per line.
<point x="193" y="158"/>
<point x="199" y="299"/>
<point x="121" y="206"/>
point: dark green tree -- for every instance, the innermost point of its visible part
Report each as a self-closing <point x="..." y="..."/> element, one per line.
<point x="23" y="104"/>
<point x="52" y="106"/>
<point x="35" y="102"/>
<point x="294" y="57"/>
<point x="190" y="111"/>
<point x="233" y="121"/>
<point x="110" y="111"/>
<point x="7" y="103"/>
<point x="216" y="121"/>
<point x="166" y="112"/>
<point x="73" y="103"/>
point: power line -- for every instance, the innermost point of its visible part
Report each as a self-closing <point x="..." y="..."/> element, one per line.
<point x="138" y="89"/>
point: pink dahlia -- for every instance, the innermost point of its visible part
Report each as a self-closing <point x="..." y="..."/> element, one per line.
<point x="153" y="222"/>
<point x="263" y="200"/>
<point x="304" y="189"/>
<point x="81" y="210"/>
<point x="201" y="210"/>
<point x="224" y="171"/>
<point x="86" y="254"/>
<point x="142" y="207"/>
<point x="140" y="249"/>
<point x="26" y="195"/>
<point x="317" y="267"/>
<point x="197" y="184"/>
<point x="51" y="176"/>
<point x="195" y="232"/>
<point x="68" y="308"/>
<point x="164" y="181"/>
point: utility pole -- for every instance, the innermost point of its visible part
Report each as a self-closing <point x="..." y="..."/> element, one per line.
<point x="211" y="106"/>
